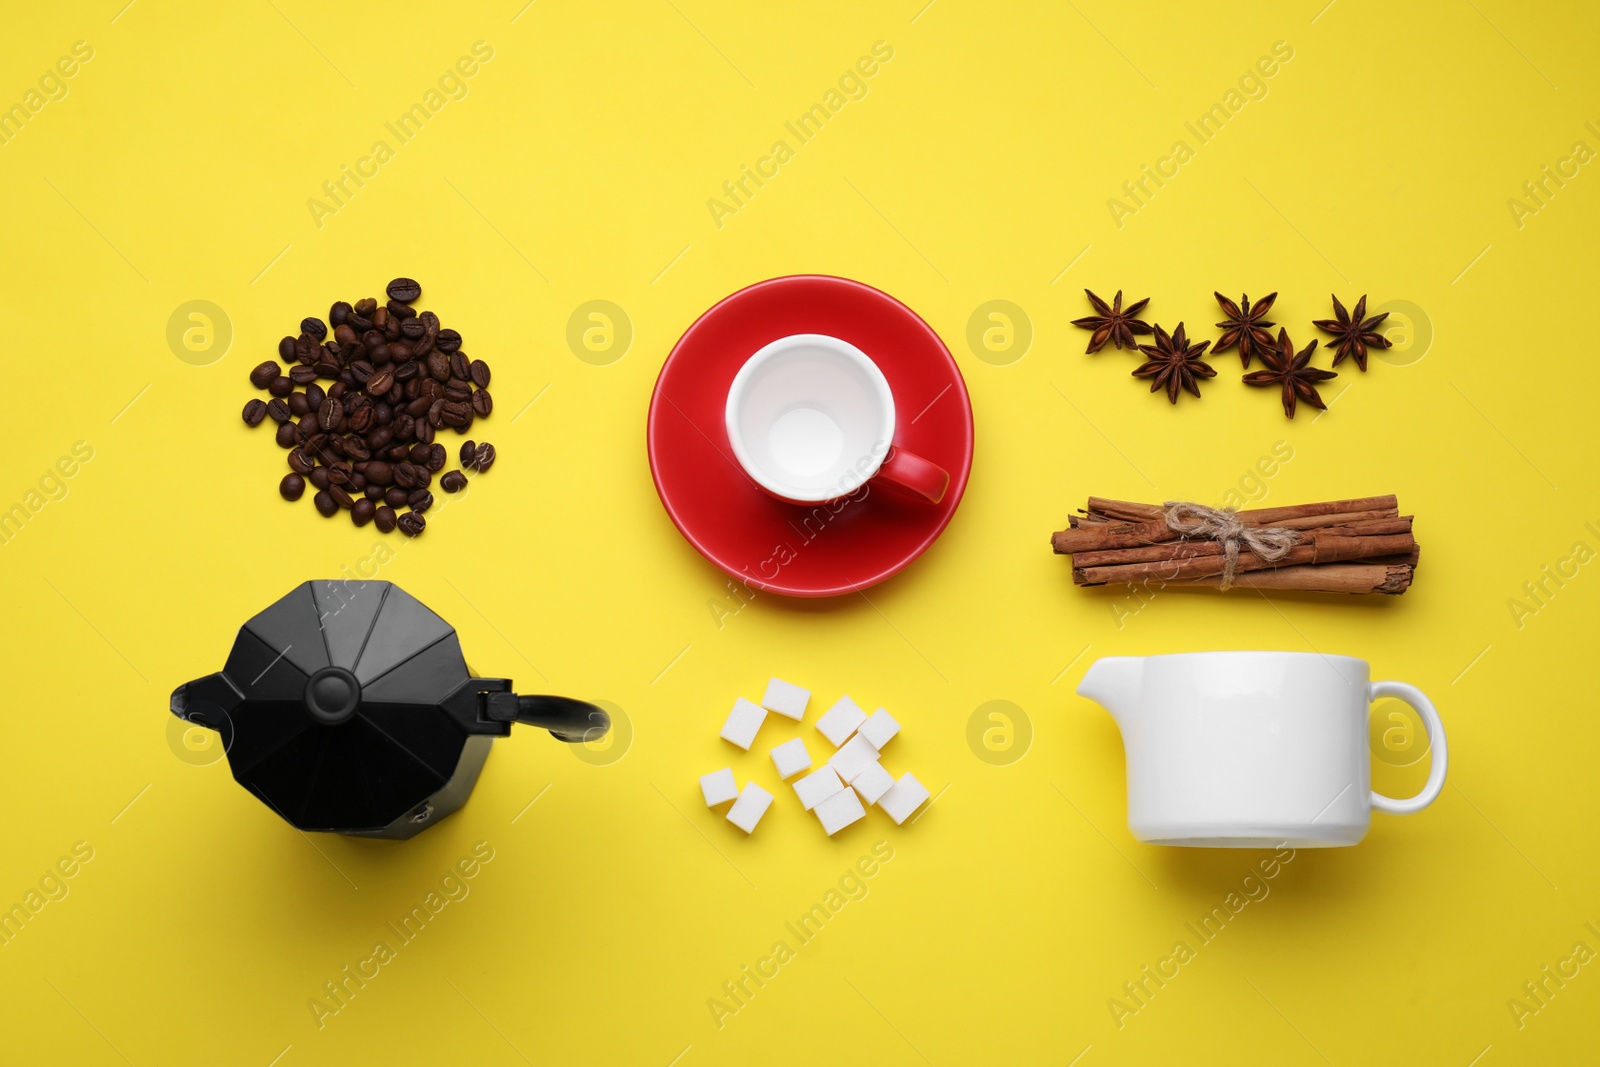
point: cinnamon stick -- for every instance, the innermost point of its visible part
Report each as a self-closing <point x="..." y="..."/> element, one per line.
<point x="1390" y="579"/>
<point x="1166" y="550"/>
<point x="1131" y="512"/>
<point x="1126" y="528"/>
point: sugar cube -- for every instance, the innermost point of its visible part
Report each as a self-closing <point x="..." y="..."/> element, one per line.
<point x="879" y="728"/>
<point x="839" y="811"/>
<point x="841" y="720"/>
<point x="791" y="758"/>
<point x="786" y="698"/>
<point x="903" y="798"/>
<point x="719" y="787"/>
<point x="751" y="805"/>
<point x="853" y="758"/>
<point x="873" y="782"/>
<point x="817" y="787"/>
<point x="743" y="722"/>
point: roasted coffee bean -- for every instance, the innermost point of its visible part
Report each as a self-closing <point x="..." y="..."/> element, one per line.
<point x="298" y="405"/>
<point x="380" y="319"/>
<point x="338" y="476"/>
<point x="330" y="413"/>
<point x="325" y="503"/>
<point x="439" y="366"/>
<point x="403" y="424"/>
<point x="341" y="496"/>
<point x="345" y="334"/>
<point x="292" y="487"/>
<point x="338" y="388"/>
<point x="286" y="349"/>
<point x="436" y="457"/>
<point x="411" y="329"/>
<point x="358" y="482"/>
<point x="453" y="482"/>
<point x="396" y="497"/>
<point x="302" y="374"/>
<point x="418" y="454"/>
<point x="254" y="412"/>
<point x="263" y="374"/>
<point x="391" y="329"/>
<point x="338" y="314"/>
<point x="464" y="427"/>
<point x="399" y="351"/>
<point x="360" y="322"/>
<point x="485" y="456"/>
<point x="360" y="370"/>
<point x="395" y="452"/>
<point x="300" y="461"/>
<point x="362" y="419"/>
<point x="436" y="412"/>
<point x="280" y="386"/>
<point x="411" y="524"/>
<point x="365" y="306"/>
<point x="379" y="472"/>
<point x="482" y="403"/>
<point x="306" y="348"/>
<point x="399" y="312"/>
<point x="384" y="519"/>
<point x="431" y="389"/>
<point x="457" y="391"/>
<point x="361" y="511"/>
<point x="374" y="493"/>
<point x="278" y="409"/>
<point x="422" y="432"/>
<point x="319" y="477"/>
<point x="448" y="340"/>
<point x="380" y="383"/>
<point x="288" y="436"/>
<point x="403" y="289"/>
<point x="328" y="370"/>
<point x="420" y="501"/>
<point x="405" y="475"/>
<point x="380" y="354"/>
<point x="315" y="395"/>
<point x="407" y="370"/>
<point x="454" y="414"/>
<point x="419" y="407"/>
<point x="380" y="437"/>
<point x="424" y="476"/>
<point x="480" y="373"/>
<point x="460" y="367"/>
<point x="356" y="447"/>
<point x="468" y="454"/>
<point x="313" y="327"/>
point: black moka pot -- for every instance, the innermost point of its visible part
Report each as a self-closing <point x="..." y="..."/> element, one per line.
<point x="347" y="707"/>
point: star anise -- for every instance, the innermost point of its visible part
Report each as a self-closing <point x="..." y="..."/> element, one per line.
<point x="1174" y="363"/>
<point x="1293" y="373"/>
<point x="1113" y="324"/>
<point x="1245" y="326"/>
<point x="1354" y="335"/>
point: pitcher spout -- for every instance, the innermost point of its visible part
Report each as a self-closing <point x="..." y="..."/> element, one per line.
<point x="1113" y="683"/>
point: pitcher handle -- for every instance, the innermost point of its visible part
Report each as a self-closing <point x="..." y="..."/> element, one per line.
<point x="1441" y="752"/>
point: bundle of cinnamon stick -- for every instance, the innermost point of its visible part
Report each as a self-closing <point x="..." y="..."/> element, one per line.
<point x="1344" y="546"/>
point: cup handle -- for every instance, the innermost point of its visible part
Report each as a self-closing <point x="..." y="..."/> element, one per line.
<point x="923" y="479"/>
<point x="1440" y="752"/>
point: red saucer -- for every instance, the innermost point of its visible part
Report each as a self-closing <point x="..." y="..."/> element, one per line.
<point x="826" y="549"/>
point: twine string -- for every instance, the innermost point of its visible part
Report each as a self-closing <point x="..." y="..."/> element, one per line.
<point x="1223" y="525"/>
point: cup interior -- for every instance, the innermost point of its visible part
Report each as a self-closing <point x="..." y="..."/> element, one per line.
<point x="810" y="417"/>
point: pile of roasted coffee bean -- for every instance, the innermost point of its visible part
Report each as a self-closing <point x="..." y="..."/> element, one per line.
<point x="365" y="441"/>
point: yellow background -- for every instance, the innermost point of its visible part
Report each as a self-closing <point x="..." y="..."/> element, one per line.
<point x="978" y="167"/>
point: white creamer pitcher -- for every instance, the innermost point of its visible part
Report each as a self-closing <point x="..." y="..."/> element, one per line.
<point x="1253" y="749"/>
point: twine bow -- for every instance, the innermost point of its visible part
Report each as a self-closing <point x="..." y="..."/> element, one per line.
<point x="1270" y="543"/>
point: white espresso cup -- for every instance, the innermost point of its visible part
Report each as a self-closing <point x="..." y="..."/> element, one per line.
<point x="811" y="418"/>
<point x="1253" y="749"/>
